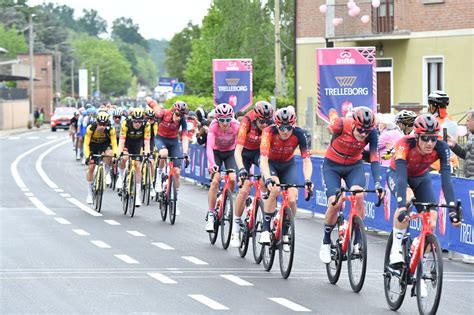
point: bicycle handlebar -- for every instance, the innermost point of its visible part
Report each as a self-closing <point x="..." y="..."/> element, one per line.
<point x="255" y="176"/>
<point x="427" y="206"/>
<point x="340" y="191"/>
<point x="101" y="155"/>
<point x="172" y="158"/>
<point x="286" y="186"/>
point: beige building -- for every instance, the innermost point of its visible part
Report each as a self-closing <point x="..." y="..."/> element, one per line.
<point x="422" y="45"/>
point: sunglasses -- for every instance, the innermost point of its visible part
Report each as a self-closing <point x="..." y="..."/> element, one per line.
<point x="285" y="128"/>
<point x="425" y="138"/>
<point x="264" y="121"/>
<point x="117" y="117"/>
<point x="178" y="114"/>
<point x="137" y="121"/>
<point x="224" y="120"/>
<point x="363" y="131"/>
<point x="102" y="124"/>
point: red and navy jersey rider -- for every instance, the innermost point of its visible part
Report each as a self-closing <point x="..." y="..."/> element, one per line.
<point x="277" y="163"/>
<point x="409" y="176"/>
<point x="343" y="160"/>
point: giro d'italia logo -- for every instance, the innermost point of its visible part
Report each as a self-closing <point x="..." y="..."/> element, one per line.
<point x="232" y="81"/>
<point x="346" y="81"/>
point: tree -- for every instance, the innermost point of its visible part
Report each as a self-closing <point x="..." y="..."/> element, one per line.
<point x="125" y="30"/>
<point x="11" y="41"/>
<point x="156" y="49"/>
<point x="179" y="49"/>
<point x="91" y="23"/>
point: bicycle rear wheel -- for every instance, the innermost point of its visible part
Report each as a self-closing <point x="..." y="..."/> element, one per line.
<point x="395" y="284"/>
<point x="357" y="256"/>
<point x="257" y="229"/>
<point x="226" y="220"/>
<point x="333" y="269"/>
<point x="172" y="200"/>
<point x="287" y="243"/>
<point x="429" y="273"/>
<point x="268" y="256"/>
<point x="132" y="190"/>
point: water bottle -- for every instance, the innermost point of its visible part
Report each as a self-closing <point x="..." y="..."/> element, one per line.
<point x="342" y="230"/>
<point x="275" y="220"/>
<point x="248" y="206"/>
<point x="414" y="244"/>
<point x="218" y="200"/>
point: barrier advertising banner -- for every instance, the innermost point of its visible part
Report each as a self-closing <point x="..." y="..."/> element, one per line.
<point x="232" y="79"/>
<point x="346" y="79"/>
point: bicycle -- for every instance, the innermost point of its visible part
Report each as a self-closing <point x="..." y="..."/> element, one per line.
<point x="128" y="192"/>
<point x="99" y="182"/>
<point x="167" y="198"/>
<point x="345" y="247"/>
<point x="224" y="212"/>
<point x="251" y="225"/>
<point x="147" y="179"/>
<point x="113" y="175"/>
<point x="422" y="256"/>
<point x="282" y="236"/>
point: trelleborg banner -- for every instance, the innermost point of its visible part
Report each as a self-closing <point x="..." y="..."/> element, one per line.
<point x="346" y="79"/>
<point x="232" y="80"/>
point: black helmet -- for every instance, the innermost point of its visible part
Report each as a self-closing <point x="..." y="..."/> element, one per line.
<point x="438" y="98"/>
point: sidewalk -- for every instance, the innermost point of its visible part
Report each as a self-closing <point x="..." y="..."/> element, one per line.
<point x="10" y="132"/>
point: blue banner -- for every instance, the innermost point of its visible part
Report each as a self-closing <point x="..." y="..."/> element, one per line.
<point x="167" y="81"/>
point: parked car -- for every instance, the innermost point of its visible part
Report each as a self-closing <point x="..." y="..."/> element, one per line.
<point x="61" y="118"/>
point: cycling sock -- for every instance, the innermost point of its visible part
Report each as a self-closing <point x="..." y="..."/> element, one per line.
<point x="106" y="169"/>
<point x="121" y="172"/>
<point x="90" y="187"/>
<point x="397" y="239"/>
<point x="327" y="233"/>
<point x="357" y="236"/>
<point x="236" y="226"/>
<point x="266" y="221"/>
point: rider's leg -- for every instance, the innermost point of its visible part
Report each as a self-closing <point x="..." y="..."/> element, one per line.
<point x="211" y="196"/>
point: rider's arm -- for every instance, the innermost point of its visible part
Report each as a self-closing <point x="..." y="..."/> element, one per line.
<point x="113" y="140"/>
<point x="304" y="140"/>
<point x="402" y="182"/>
<point x="264" y="152"/>
<point x="336" y="126"/>
<point x="185" y="140"/>
<point x="123" y="136"/>
<point x="443" y="153"/>
<point x="459" y="151"/>
<point x="211" y="140"/>
<point x="87" y="141"/>
<point x="146" y="138"/>
<point x="238" y="156"/>
<point x="241" y="136"/>
<point x="374" y="156"/>
<point x="154" y="105"/>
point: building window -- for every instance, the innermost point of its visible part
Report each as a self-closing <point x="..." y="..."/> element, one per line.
<point x="435" y="74"/>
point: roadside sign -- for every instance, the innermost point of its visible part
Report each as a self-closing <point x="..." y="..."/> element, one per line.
<point x="167" y="81"/>
<point x="178" y="88"/>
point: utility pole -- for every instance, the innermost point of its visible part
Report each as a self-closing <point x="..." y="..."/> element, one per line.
<point x="277" y="50"/>
<point x="72" y="80"/>
<point x="31" y="43"/>
<point x="98" y="81"/>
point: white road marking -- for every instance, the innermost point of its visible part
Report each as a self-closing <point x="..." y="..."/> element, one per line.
<point x="25" y="189"/>
<point x="13" y="138"/>
<point x="62" y="220"/>
<point x="291" y="305"/>
<point x="163" y="246"/>
<point x="65" y="195"/>
<point x="39" y="166"/>
<point x="162" y="278"/>
<point x="111" y="222"/>
<point x="100" y="244"/>
<point x="237" y="280"/>
<point x="59" y="190"/>
<point x="80" y="232"/>
<point x="28" y="194"/>
<point x="136" y="233"/>
<point x="194" y="260"/>
<point x="51" y="137"/>
<point x="38" y="204"/>
<point x="32" y="137"/>
<point x="127" y="259"/>
<point x="208" y="302"/>
<point x="83" y="207"/>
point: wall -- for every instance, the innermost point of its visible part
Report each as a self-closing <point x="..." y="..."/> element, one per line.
<point x="13" y="114"/>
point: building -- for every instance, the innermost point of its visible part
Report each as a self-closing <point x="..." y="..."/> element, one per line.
<point x="422" y="45"/>
<point x="43" y="84"/>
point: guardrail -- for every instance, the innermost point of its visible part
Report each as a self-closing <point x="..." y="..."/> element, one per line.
<point x="456" y="239"/>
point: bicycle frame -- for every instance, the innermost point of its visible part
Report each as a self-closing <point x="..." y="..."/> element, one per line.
<point x="256" y="199"/>
<point x="220" y="211"/>
<point x="352" y="213"/>
<point x="425" y="230"/>
<point x="278" y="220"/>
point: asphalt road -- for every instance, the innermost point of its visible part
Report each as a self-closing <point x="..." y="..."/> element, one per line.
<point x="58" y="256"/>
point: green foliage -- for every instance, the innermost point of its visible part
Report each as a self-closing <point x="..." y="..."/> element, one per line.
<point x="156" y="49"/>
<point x="193" y="101"/>
<point x="146" y="68"/>
<point x="125" y="30"/>
<point x="91" y="23"/>
<point x="11" y="41"/>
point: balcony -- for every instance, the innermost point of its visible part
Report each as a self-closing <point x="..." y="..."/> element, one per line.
<point x="384" y="21"/>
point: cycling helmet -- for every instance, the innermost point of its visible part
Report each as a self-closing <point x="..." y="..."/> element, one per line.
<point x="224" y="110"/>
<point x="137" y="113"/>
<point x="76" y="113"/>
<point x="191" y="114"/>
<point x="149" y="113"/>
<point x="91" y="111"/>
<point x="363" y="117"/>
<point x="406" y="117"/>
<point x="181" y="107"/>
<point x="438" y="98"/>
<point x="263" y="109"/>
<point x="285" y="116"/>
<point x="117" y="112"/>
<point x="102" y="117"/>
<point x="426" y="123"/>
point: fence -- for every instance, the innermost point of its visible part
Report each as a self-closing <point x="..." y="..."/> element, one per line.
<point x="13" y="94"/>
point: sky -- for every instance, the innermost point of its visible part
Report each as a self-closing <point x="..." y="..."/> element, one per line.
<point x="158" y="19"/>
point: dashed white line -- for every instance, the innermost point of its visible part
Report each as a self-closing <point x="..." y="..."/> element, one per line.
<point x="162" y="278"/>
<point x="81" y="232"/>
<point x="65" y="195"/>
<point x="111" y="222"/>
<point x="194" y="260"/>
<point x="163" y="246"/>
<point x="51" y="137"/>
<point x="136" y="233"/>
<point x="28" y="194"/>
<point x="13" y="138"/>
<point x="32" y="138"/>
<point x="100" y="244"/>
<point x="208" y="302"/>
<point x="83" y="207"/>
<point x="59" y="190"/>
<point x="289" y="304"/>
<point x="25" y="189"/>
<point x="41" y="206"/>
<point x="62" y="221"/>
<point x="127" y="259"/>
<point x="237" y="280"/>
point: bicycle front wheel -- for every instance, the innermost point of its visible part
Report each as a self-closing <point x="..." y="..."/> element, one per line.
<point x="213" y="234"/>
<point x="226" y="220"/>
<point x="429" y="277"/>
<point x="244" y="234"/>
<point x="395" y="284"/>
<point x="357" y="255"/>
<point x="124" y="194"/>
<point x="257" y="230"/>
<point x="132" y="193"/>
<point x="172" y="200"/>
<point x="99" y="189"/>
<point x="287" y="243"/>
<point x="268" y="256"/>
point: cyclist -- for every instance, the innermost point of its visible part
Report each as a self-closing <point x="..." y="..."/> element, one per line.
<point x="134" y="135"/>
<point x="99" y="136"/>
<point x="408" y="176"/>
<point x="247" y="152"/>
<point x="220" y="148"/>
<point x="73" y="128"/>
<point x="277" y="163"/>
<point x="405" y="120"/>
<point x="166" y="141"/>
<point x="150" y="117"/>
<point x="343" y="161"/>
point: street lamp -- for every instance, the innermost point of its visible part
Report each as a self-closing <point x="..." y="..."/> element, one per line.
<point x="31" y="43"/>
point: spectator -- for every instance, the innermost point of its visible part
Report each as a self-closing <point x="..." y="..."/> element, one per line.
<point x="389" y="136"/>
<point x="36" y="115"/>
<point x="467" y="154"/>
<point x="204" y="127"/>
<point x="239" y="116"/>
